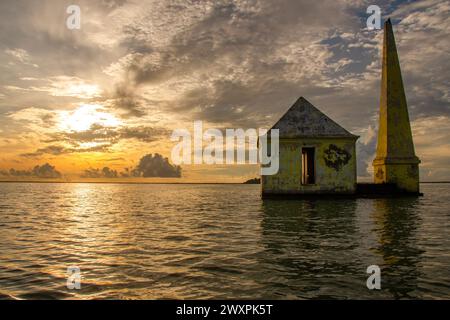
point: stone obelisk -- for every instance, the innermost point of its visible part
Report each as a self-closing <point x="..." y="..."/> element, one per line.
<point x="395" y="161"/>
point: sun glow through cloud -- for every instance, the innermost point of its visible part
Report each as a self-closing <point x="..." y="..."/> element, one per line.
<point x="80" y="90"/>
<point x="85" y="116"/>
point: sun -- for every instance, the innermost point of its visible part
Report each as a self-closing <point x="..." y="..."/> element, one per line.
<point x="86" y="115"/>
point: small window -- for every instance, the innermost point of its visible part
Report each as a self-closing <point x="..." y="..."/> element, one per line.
<point x="308" y="168"/>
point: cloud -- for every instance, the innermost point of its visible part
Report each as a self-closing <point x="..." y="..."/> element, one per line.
<point x="142" y="133"/>
<point x="423" y="42"/>
<point x="95" y="134"/>
<point x="365" y="152"/>
<point x="108" y="136"/>
<point x="431" y="137"/>
<point x="432" y="144"/>
<point x="97" y="138"/>
<point x="21" y="55"/>
<point x="149" y="166"/>
<point x="126" y="99"/>
<point x="45" y="171"/>
<point x="64" y="86"/>
<point x="221" y="49"/>
<point x="130" y="173"/>
<point x="59" y="86"/>
<point x="231" y="63"/>
<point x="214" y="31"/>
<point x="157" y="166"/>
<point x="106" y="172"/>
<point x="35" y="118"/>
<point x="57" y="150"/>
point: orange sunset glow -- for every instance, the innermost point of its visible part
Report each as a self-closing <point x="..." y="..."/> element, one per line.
<point x="111" y="92"/>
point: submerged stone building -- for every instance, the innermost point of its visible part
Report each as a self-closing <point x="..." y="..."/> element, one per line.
<point x="317" y="156"/>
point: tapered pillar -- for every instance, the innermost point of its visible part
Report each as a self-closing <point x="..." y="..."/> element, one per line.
<point x="395" y="160"/>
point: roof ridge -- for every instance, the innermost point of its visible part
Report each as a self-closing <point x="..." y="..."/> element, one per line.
<point x="303" y="119"/>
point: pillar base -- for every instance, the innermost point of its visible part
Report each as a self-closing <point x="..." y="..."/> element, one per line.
<point x="404" y="172"/>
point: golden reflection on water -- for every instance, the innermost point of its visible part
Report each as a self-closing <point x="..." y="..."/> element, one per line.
<point x="220" y="241"/>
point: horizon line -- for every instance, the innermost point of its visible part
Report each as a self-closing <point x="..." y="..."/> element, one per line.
<point x="143" y="182"/>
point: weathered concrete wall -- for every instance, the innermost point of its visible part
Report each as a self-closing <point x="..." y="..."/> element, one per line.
<point x="405" y="176"/>
<point x="335" y="164"/>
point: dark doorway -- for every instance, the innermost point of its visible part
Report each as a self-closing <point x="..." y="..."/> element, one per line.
<point x="308" y="167"/>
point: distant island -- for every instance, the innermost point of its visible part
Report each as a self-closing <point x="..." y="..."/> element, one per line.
<point x="253" y="181"/>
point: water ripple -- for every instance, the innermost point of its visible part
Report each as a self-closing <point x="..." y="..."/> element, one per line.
<point x="218" y="242"/>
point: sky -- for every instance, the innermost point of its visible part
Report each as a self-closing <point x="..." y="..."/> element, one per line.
<point x="100" y="101"/>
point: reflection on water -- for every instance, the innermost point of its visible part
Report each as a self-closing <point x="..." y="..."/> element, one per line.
<point x="218" y="241"/>
<point x="312" y="244"/>
<point x="396" y="223"/>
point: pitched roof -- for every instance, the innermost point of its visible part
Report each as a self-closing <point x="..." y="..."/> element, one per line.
<point x="305" y="120"/>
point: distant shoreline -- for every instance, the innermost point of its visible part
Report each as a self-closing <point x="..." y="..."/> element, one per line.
<point x="434" y="182"/>
<point x="143" y="182"/>
<point x="116" y="182"/>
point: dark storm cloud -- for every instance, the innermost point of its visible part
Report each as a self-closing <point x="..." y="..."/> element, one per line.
<point x="45" y="171"/>
<point x="156" y="166"/>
